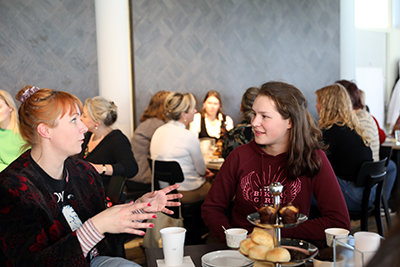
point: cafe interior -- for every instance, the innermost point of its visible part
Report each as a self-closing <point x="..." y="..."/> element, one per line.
<point x="127" y="50"/>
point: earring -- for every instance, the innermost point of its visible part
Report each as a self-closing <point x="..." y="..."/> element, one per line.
<point x="96" y="126"/>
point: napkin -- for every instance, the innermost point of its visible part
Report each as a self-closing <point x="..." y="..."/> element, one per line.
<point x="187" y="262"/>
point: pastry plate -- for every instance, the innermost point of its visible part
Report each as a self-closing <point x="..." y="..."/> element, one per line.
<point x="225" y="258"/>
<point x="254" y="218"/>
<point x="300" y="251"/>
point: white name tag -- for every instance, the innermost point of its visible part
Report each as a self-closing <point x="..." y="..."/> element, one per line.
<point x="71" y="217"/>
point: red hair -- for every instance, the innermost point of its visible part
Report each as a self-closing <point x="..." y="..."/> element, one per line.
<point x="43" y="106"/>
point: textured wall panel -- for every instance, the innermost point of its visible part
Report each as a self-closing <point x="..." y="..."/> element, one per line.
<point x="49" y="44"/>
<point x="230" y="45"/>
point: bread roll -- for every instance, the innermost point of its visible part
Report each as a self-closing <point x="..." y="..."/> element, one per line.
<point x="258" y="252"/>
<point x="278" y="254"/>
<point x="245" y="245"/>
<point x="262" y="237"/>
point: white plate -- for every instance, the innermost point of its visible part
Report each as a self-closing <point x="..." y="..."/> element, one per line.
<point x="225" y="258"/>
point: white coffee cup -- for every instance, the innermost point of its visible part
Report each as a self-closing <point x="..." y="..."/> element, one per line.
<point x="366" y="244"/>
<point x="338" y="233"/>
<point x="234" y="236"/>
<point x="173" y="240"/>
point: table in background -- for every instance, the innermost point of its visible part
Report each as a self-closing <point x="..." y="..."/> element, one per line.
<point x="194" y="251"/>
<point x="393" y="202"/>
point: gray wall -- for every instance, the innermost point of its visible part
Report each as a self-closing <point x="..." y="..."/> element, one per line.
<point x="50" y="44"/>
<point x="198" y="45"/>
<point x="180" y="45"/>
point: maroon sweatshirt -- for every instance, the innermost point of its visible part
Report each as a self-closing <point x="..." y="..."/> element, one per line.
<point x="242" y="178"/>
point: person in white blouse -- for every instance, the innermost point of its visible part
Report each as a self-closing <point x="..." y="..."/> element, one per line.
<point x="172" y="141"/>
<point x="211" y="122"/>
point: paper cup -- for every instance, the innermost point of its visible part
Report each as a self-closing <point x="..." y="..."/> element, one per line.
<point x="366" y="244"/>
<point x="338" y="233"/>
<point x="234" y="236"/>
<point x="173" y="240"/>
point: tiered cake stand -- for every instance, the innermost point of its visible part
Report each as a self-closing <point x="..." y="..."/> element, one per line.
<point x="301" y="247"/>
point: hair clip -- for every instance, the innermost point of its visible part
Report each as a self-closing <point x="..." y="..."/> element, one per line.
<point x="28" y="93"/>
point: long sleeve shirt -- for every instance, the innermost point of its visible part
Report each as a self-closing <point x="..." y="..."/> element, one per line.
<point x="243" y="178"/>
<point x="173" y="141"/>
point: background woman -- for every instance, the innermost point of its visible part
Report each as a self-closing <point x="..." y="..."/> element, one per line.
<point x="173" y="141"/>
<point x="286" y="149"/>
<point x="348" y="146"/>
<point x="211" y="122"/>
<point x="52" y="206"/>
<point x="11" y="142"/>
<point x="108" y="150"/>
<point x="152" y="118"/>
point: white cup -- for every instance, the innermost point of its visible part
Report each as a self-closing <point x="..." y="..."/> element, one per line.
<point x="338" y="233"/>
<point x="366" y="244"/>
<point x="173" y="239"/>
<point x="234" y="236"/>
<point x="397" y="137"/>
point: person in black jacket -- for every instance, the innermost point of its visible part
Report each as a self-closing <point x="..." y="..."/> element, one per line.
<point x="107" y="149"/>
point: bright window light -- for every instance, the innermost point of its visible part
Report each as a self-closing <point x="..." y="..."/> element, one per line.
<point x="372" y="14"/>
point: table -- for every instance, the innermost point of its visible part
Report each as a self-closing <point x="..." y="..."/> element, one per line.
<point x="214" y="165"/>
<point x="194" y="251"/>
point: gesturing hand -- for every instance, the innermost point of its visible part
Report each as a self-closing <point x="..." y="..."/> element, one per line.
<point x="121" y="219"/>
<point x="160" y="199"/>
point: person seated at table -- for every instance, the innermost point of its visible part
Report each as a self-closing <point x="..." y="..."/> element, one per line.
<point x="107" y="149"/>
<point x="52" y="205"/>
<point x="211" y="122"/>
<point x="391" y="168"/>
<point x="172" y="141"/>
<point x="242" y="133"/>
<point x="371" y="132"/>
<point x="286" y="149"/>
<point x="347" y="146"/>
<point x="11" y="142"/>
<point x="152" y="118"/>
<point x="367" y="123"/>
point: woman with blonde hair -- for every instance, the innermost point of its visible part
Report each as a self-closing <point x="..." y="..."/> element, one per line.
<point x="347" y="147"/>
<point x="173" y="141"/>
<point x="52" y="206"/>
<point x="152" y="118"/>
<point x="107" y="149"/>
<point x="11" y="142"/>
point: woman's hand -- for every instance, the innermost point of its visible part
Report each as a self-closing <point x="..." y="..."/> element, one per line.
<point x="121" y="219"/>
<point x="160" y="199"/>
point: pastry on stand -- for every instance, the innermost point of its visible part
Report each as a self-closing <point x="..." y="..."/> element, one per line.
<point x="282" y="251"/>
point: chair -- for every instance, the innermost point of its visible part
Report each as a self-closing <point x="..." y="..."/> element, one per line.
<point x="165" y="171"/>
<point x="171" y="172"/>
<point x="370" y="174"/>
<point x="385" y="152"/>
<point x="115" y="189"/>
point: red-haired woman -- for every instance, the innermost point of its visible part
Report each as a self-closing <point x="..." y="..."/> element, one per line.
<point x="52" y="206"/>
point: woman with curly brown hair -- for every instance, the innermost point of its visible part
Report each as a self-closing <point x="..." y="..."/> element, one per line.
<point x="286" y="149"/>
